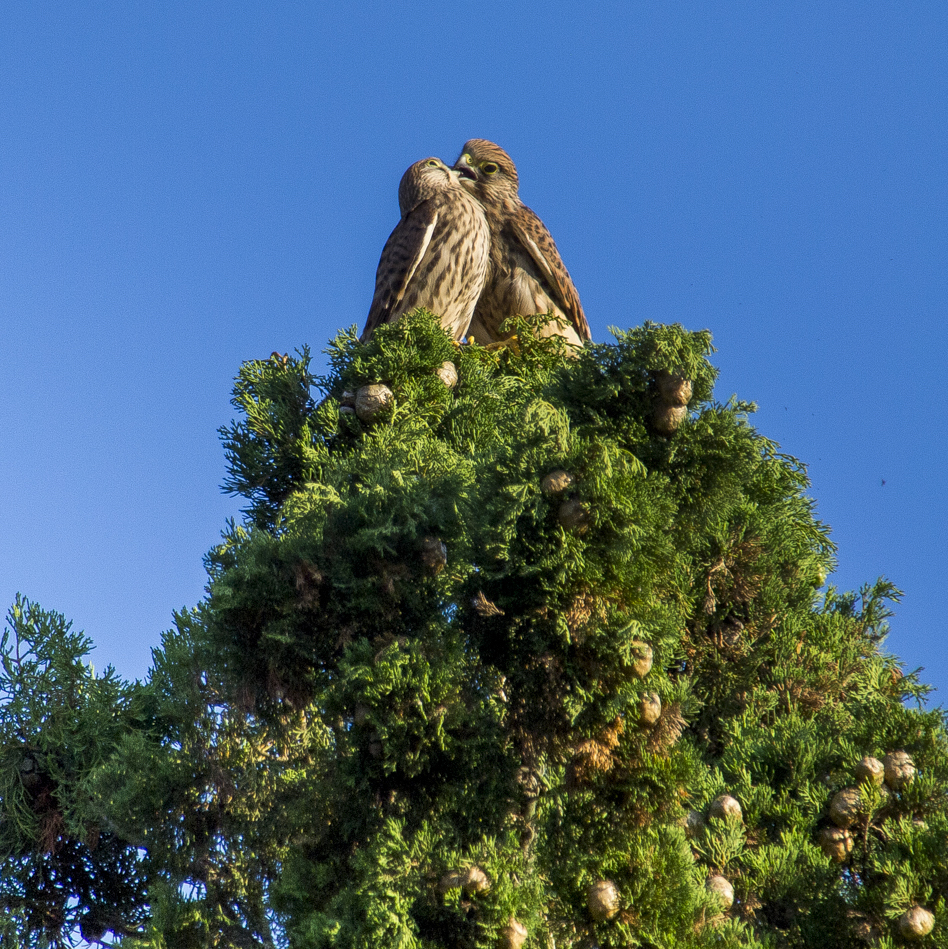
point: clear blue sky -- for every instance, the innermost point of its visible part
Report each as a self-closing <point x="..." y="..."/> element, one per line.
<point x="187" y="185"/>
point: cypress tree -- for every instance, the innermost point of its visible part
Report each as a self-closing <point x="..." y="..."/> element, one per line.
<point x="511" y="647"/>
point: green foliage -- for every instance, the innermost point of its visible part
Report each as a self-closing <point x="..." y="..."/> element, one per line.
<point x="277" y="447"/>
<point x="63" y="868"/>
<point x="499" y="647"/>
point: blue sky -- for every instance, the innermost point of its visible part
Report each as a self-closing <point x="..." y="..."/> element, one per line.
<point x="184" y="186"/>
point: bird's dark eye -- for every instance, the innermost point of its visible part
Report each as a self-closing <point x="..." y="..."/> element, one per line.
<point x="490" y="168"/>
<point x="431" y="163"/>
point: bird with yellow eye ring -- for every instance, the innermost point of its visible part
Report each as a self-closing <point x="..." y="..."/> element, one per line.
<point x="526" y="275"/>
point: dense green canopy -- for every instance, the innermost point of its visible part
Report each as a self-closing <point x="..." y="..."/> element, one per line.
<point x="547" y="651"/>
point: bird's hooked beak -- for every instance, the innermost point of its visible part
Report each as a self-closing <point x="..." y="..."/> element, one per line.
<point x="465" y="167"/>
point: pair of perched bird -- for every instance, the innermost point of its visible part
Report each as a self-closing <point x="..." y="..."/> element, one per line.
<point x="468" y="249"/>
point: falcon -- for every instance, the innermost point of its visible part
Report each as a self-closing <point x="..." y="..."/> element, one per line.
<point x="437" y="256"/>
<point x="526" y="274"/>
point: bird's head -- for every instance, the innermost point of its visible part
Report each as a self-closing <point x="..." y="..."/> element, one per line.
<point x="487" y="170"/>
<point x="423" y="180"/>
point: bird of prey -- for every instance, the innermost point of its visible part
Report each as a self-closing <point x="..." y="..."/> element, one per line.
<point x="526" y="274"/>
<point x="437" y="255"/>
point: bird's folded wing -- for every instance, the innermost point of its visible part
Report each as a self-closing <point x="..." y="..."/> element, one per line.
<point x="536" y="239"/>
<point x="403" y="252"/>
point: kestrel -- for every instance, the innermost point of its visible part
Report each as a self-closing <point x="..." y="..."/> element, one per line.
<point x="437" y="256"/>
<point x="526" y="273"/>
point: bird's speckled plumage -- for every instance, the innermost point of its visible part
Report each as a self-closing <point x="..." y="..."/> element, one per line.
<point x="526" y="273"/>
<point x="437" y="256"/>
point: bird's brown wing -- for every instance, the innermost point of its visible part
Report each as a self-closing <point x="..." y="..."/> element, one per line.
<point x="403" y="252"/>
<point x="538" y="242"/>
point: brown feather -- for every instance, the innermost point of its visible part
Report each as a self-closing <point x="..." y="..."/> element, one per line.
<point x="526" y="275"/>
<point x="437" y="255"/>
